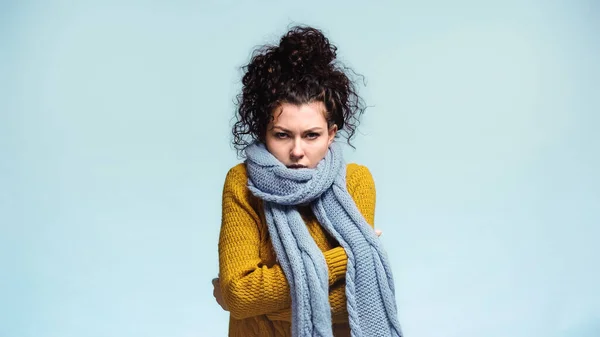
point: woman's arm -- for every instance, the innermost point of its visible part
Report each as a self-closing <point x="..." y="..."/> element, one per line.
<point x="248" y="287"/>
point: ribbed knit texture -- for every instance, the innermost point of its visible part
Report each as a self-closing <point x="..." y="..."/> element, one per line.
<point x="252" y="282"/>
<point x="369" y="282"/>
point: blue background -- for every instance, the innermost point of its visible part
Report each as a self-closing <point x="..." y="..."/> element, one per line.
<point x="482" y="136"/>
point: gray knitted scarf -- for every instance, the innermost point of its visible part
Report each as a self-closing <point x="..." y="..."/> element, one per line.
<point x="369" y="284"/>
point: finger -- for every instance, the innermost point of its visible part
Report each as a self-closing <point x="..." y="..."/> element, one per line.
<point x="378" y="232"/>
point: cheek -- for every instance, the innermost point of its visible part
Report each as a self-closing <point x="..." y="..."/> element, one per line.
<point x="320" y="149"/>
<point x="277" y="149"/>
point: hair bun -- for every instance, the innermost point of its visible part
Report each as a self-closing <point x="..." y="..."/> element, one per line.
<point x="305" y="48"/>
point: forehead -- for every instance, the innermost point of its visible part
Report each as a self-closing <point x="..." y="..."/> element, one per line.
<point x="300" y="116"/>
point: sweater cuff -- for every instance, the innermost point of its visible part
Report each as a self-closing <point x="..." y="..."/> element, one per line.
<point x="337" y="260"/>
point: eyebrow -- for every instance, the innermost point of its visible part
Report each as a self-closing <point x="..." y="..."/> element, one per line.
<point x="313" y="129"/>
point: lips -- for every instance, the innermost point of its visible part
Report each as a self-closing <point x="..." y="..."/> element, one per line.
<point x="296" y="166"/>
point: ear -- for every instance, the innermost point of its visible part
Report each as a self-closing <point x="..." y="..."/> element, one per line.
<point x="332" y="132"/>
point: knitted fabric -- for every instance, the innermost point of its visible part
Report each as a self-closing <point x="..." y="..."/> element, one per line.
<point x="369" y="282"/>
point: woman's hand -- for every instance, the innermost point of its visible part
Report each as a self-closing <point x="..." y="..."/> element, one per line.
<point x="378" y="232"/>
<point x="217" y="293"/>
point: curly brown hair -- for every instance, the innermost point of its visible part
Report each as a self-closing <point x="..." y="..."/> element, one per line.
<point x="301" y="69"/>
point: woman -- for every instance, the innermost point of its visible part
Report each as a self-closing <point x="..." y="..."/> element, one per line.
<point x="298" y="255"/>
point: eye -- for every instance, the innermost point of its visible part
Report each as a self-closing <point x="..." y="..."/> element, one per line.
<point x="281" y="135"/>
<point x="312" y="135"/>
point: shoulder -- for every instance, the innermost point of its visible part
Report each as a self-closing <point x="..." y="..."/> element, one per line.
<point x="235" y="188"/>
<point x="361" y="187"/>
<point x="358" y="176"/>
<point x="237" y="175"/>
<point x="236" y="181"/>
<point x="354" y="169"/>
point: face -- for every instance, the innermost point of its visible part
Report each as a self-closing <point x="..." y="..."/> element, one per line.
<point x="298" y="135"/>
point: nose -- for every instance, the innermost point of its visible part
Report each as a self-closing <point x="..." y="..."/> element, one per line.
<point x="297" y="151"/>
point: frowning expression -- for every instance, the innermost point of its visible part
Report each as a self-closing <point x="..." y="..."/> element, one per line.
<point x="299" y="135"/>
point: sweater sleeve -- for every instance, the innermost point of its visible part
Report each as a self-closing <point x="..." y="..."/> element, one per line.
<point x="248" y="286"/>
<point x="361" y="187"/>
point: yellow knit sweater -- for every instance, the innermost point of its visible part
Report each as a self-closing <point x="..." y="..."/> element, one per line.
<point x="253" y="285"/>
